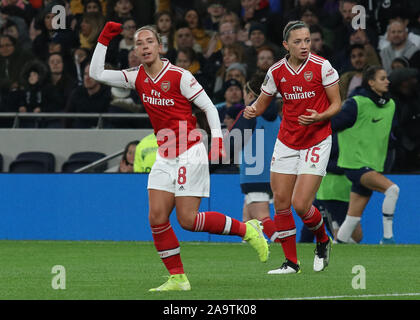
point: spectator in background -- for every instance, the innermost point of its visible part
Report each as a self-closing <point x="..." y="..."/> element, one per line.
<point x="118" y="10"/>
<point x="231" y="54"/>
<point x="11" y="61"/>
<point x="235" y="71"/>
<point x="400" y="62"/>
<point x="92" y="97"/>
<point x="184" y="38"/>
<point x="317" y="43"/>
<point x="145" y="155"/>
<point x="265" y="59"/>
<point x="311" y="16"/>
<point x="90" y="28"/>
<point x="227" y="35"/>
<point x="89" y="6"/>
<point x="257" y="36"/>
<point x="201" y="36"/>
<point x="62" y="84"/>
<point x="233" y="96"/>
<point x="256" y="11"/>
<point x="343" y="28"/>
<point x="353" y="79"/>
<point x="166" y="28"/>
<point x="399" y="45"/>
<point x="342" y="58"/>
<point x="65" y="37"/>
<point x="215" y="10"/>
<point x="79" y="58"/>
<point x="11" y="28"/>
<point x="405" y="92"/>
<point x="36" y="94"/>
<point x="188" y="59"/>
<point x="127" y="160"/>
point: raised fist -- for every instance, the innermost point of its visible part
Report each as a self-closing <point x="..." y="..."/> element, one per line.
<point x="110" y="31"/>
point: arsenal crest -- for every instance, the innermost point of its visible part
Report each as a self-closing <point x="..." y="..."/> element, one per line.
<point x="166" y="85"/>
<point x="308" y="75"/>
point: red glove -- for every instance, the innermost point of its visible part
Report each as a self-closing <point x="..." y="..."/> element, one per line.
<point x="111" y="30"/>
<point x="217" y="150"/>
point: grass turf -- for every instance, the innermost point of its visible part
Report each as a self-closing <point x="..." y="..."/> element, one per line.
<point x="217" y="271"/>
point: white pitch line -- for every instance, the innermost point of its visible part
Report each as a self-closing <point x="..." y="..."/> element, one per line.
<point x="356" y="296"/>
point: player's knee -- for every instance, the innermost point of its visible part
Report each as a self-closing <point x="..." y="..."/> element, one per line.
<point x="186" y="221"/>
<point x="393" y="191"/>
<point x="156" y="218"/>
<point x="390" y="201"/>
<point x="301" y="206"/>
<point x="280" y="201"/>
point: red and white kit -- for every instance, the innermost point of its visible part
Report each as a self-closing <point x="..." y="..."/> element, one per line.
<point x="181" y="165"/>
<point x="301" y="149"/>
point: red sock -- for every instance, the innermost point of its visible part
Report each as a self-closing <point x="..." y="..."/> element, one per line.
<point x="270" y="229"/>
<point x="286" y="233"/>
<point x="218" y="223"/>
<point x="167" y="245"/>
<point x="314" y="222"/>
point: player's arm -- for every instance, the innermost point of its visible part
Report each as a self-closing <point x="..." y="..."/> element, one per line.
<point x="194" y="92"/>
<point x="258" y="107"/>
<point x="268" y="92"/>
<point x="97" y="66"/>
<point x="330" y="80"/>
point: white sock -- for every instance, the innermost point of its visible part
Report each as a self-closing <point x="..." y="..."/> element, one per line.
<point x="387" y="224"/>
<point x="388" y="209"/>
<point x="347" y="228"/>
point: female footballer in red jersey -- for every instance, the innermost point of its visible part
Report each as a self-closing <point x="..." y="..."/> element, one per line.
<point x="179" y="177"/>
<point x="308" y="85"/>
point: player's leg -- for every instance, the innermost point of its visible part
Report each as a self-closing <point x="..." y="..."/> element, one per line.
<point x="192" y="183"/>
<point x="284" y="229"/>
<point x="218" y="223"/>
<point x="357" y="205"/>
<point x="245" y="215"/>
<point x="257" y="206"/>
<point x="378" y="182"/>
<point x="302" y="200"/>
<point x="161" y="204"/>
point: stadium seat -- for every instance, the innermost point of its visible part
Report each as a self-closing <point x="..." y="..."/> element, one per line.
<point x="33" y="162"/>
<point x="80" y="159"/>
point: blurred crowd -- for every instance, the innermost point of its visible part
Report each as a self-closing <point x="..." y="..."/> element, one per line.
<point x="45" y="50"/>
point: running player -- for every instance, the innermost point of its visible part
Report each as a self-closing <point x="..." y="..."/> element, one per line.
<point x="309" y="87"/>
<point x="180" y="175"/>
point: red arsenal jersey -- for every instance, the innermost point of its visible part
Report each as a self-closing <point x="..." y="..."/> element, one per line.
<point x="166" y="99"/>
<point x="301" y="89"/>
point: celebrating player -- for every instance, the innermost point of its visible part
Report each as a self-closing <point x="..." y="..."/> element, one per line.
<point x="180" y="175"/>
<point x="309" y="87"/>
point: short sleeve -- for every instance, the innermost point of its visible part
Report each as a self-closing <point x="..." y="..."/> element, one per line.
<point x="329" y="74"/>
<point x="190" y="88"/>
<point x="269" y="86"/>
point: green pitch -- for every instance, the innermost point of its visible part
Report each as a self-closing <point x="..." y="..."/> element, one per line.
<point x="217" y="271"/>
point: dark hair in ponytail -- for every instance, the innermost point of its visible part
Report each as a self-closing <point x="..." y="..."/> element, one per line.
<point x="369" y="74"/>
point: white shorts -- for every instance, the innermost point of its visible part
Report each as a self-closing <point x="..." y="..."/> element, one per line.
<point x="186" y="175"/>
<point x="251" y="197"/>
<point x="313" y="160"/>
